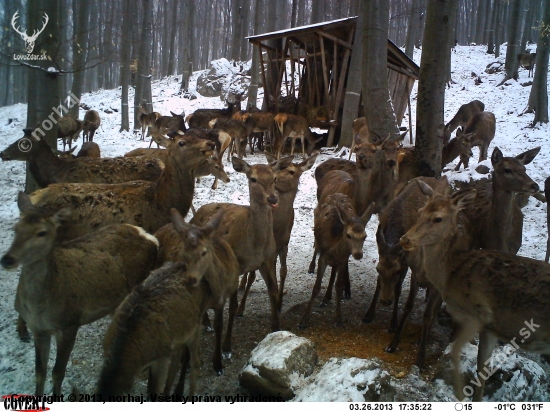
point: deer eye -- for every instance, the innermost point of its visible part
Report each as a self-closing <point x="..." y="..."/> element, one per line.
<point x="253" y="180"/>
<point x="437" y="220"/>
<point x="291" y="172"/>
<point x="42" y="233"/>
<point x="181" y="143"/>
<point x="203" y="254"/>
<point x="348" y="236"/>
<point x="507" y="170"/>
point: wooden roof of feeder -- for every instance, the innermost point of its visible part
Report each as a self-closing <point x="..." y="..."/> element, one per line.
<point x="320" y="54"/>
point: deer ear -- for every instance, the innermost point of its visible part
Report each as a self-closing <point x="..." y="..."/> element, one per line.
<point x="282" y="163"/>
<point x="442" y="186"/>
<point x="240" y="165"/>
<point x="381" y="240"/>
<point x="180" y="225"/>
<point x="62" y="215"/>
<point x="24" y="203"/>
<point x="463" y="198"/>
<point x="458" y="132"/>
<point x="70" y="151"/>
<point x="527" y="157"/>
<point x="425" y="188"/>
<point x="270" y="159"/>
<point x="342" y="215"/>
<point x="496" y="157"/>
<point x="368" y="213"/>
<point x="213" y="223"/>
<point x="173" y="114"/>
<point x="309" y="162"/>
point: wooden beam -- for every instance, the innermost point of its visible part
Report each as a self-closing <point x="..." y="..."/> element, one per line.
<point x="325" y="71"/>
<point x="403" y="71"/>
<point x="266" y="89"/>
<point x="336" y="39"/>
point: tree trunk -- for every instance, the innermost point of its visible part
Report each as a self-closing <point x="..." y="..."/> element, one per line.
<point x="143" y="87"/>
<point x="352" y="97"/>
<point x="188" y="51"/>
<point x="254" y="68"/>
<point x="538" y="99"/>
<point x="512" y="50"/>
<point x="80" y="46"/>
<point x="497" y="27"/>
<point x="376" y="97"/>
<point x="431" y="87"/>
<point x="125" y="65"/>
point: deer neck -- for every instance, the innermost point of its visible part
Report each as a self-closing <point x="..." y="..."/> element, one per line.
<point x="361" y="185"/>
<point x="36" y="285"/>
<point x="437" y="260"/>
<point x="450" y="152"/>
<point x="502" y="214"/>
<point x="283" y="217"/>
<point x="42" y="160"/>
<point x="175" y="186"/>
<point x="260" y="225"/>
<point x="381" y="183"/>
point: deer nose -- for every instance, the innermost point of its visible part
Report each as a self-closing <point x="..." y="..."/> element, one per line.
<point x="535" y="187"/>
<point x="273" y="201"/>
<point x="362" y="157"/>
<point x="358" y="255"/>
<point x="391" y="163"/>
<point x="8" y="261"/>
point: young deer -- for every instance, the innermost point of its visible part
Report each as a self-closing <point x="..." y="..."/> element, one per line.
<point x="145" y="204"/>
<point x="339" y="233"/>
<point x="295" y="127"/>
<point x="88" y="149"/>
<point x="492" y="293"/>
<point x="460" y="146"/>
<point x="484" y="124"/>
<point x="146" y="120"/>
<point x="497" y="220"/>
<point x="462" y="117"/>
<point x="257" y="122"/>
<point x="209" y="257"/>
<point x="65" y="285"/>
<point x="91" y="123"/>
<point x="249" y="229"/>
<point x="47" y="168"/>
<point x="68" y="129"/>
<point x="286" y="185"/>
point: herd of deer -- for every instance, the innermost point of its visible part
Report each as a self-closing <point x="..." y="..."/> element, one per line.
<point x="109" y="235"/>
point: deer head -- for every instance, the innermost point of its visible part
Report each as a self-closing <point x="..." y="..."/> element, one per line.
<point x="29" y="40"/>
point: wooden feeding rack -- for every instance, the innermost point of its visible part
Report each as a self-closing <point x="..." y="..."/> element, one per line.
<point x="319" y="56"/>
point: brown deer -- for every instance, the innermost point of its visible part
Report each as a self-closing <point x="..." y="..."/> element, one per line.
<point x="293" y="126"/>
<point x="497" y="220"/>
<point x="208" y="257"/>
<point x="201" y="117"/>
<point x="257" y="122"/>
<point x="91" y="123"/>
<point x="68" y="129"/>
<point x="174" y="124"/>
<point x="47" y="168"/>
<point x="145" y="204"/>
<point x="249" y="229"/>
<point x="484" y="125"/>
<point x="286" y="185"/>
<point x="462" y="117"/>
<point x="236" y="130"/>
<point x="362" y="135"/>
<point x="527" y="61"/>
<point x="88" y="149"/>
<point x="493" y="293"/>
<point x="147" y="120"/>
<point x="65" y="285"/>
<point x="547" y="195"/>
<point x="339" y="233"/>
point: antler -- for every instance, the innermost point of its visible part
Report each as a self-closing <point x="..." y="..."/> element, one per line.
<point x="37" y="32"/>
<point x="13" y="24"/>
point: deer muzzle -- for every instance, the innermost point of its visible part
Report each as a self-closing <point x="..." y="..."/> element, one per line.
<point x="8" y="262"/>
<point x="273" y="201"/>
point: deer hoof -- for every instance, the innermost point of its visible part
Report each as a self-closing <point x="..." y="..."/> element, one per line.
<point x="227" y="355"/>
<point x="390" y="349"/>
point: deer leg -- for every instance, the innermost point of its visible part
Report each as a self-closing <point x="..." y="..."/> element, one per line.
<point x="242" y="283"/>
<point x="322" y="265"/>
<point x="467" y="330"/>
<point x="194" y="361"/>
<point x="328" y="293"/>
<point x="268" y="270"/>
<point x="22" y="330"/>
<point x="397" y="295"/>
<point x="184" y="366"/>
<point x="251" y="143"/>
<point x="150" y="143"/>
<point x="215" y="184"/>
<point x="311" y="268"/>
<point x="282" y="274"/>
<point x="487" y="343"/>
<point x="157" y="375"/>
<point x="226" y="348"/>
<point x="371" y="311"/>
<point x="303" y="146"/>
<point x="218" y="330"/>
<point x="347" y="285"/>
<point x="434" y="303"/>
<point x="65" y="344"/>
<point x="483" y="152"/>
<point x="175" y="366"/>
<point x="340" y="276"/>
<point x="250" y="280"/>
<point x="42" y="352"/>
<point x="409" y="305"/>
<point x="292" y="144"/>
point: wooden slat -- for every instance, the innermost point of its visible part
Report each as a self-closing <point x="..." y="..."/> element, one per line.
<point x="325" y="72"/>
<point x="335" y="39"/>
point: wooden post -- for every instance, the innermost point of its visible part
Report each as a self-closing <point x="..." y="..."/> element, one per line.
<point x="266" y="89"/>
<point x="325" y="72"/>
<point x="410" y="115"/>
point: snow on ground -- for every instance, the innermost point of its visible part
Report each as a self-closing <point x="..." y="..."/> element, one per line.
<point x="513" y="136"/>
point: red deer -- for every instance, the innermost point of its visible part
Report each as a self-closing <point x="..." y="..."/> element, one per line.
<point x="88" y="149"/>
<point x="257" y="122"/>
<point x="207" y="257"/>
<point x="283" y="220"/>
<point x="362" y="135"/>
<point x="527" y="61"/>
<point x="249" y="229"/>
<point x="147" y="120"/>
<point x="47" y="168"/>
<point x="497" y="220"/>
<point x="201" y="117"/>
<point x="145" y="204"/>
<point x="65" y="285"/>
<point x="236" y="130"/>
<point x="462" y="117"/>
<point x="293" y="126"/>
<point x="485" y="291"/>
<point x="483" y="124"/>
<point x="68" y="129"/>
<point x="90" y="124"/>
<point x="170" y="125"/>
<point x="339" y="233"/>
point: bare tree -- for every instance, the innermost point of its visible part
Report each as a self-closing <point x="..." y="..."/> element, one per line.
<point x="431" y="88"/>
<point x="511" y="63"/>
<point x="538" y="99"/>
